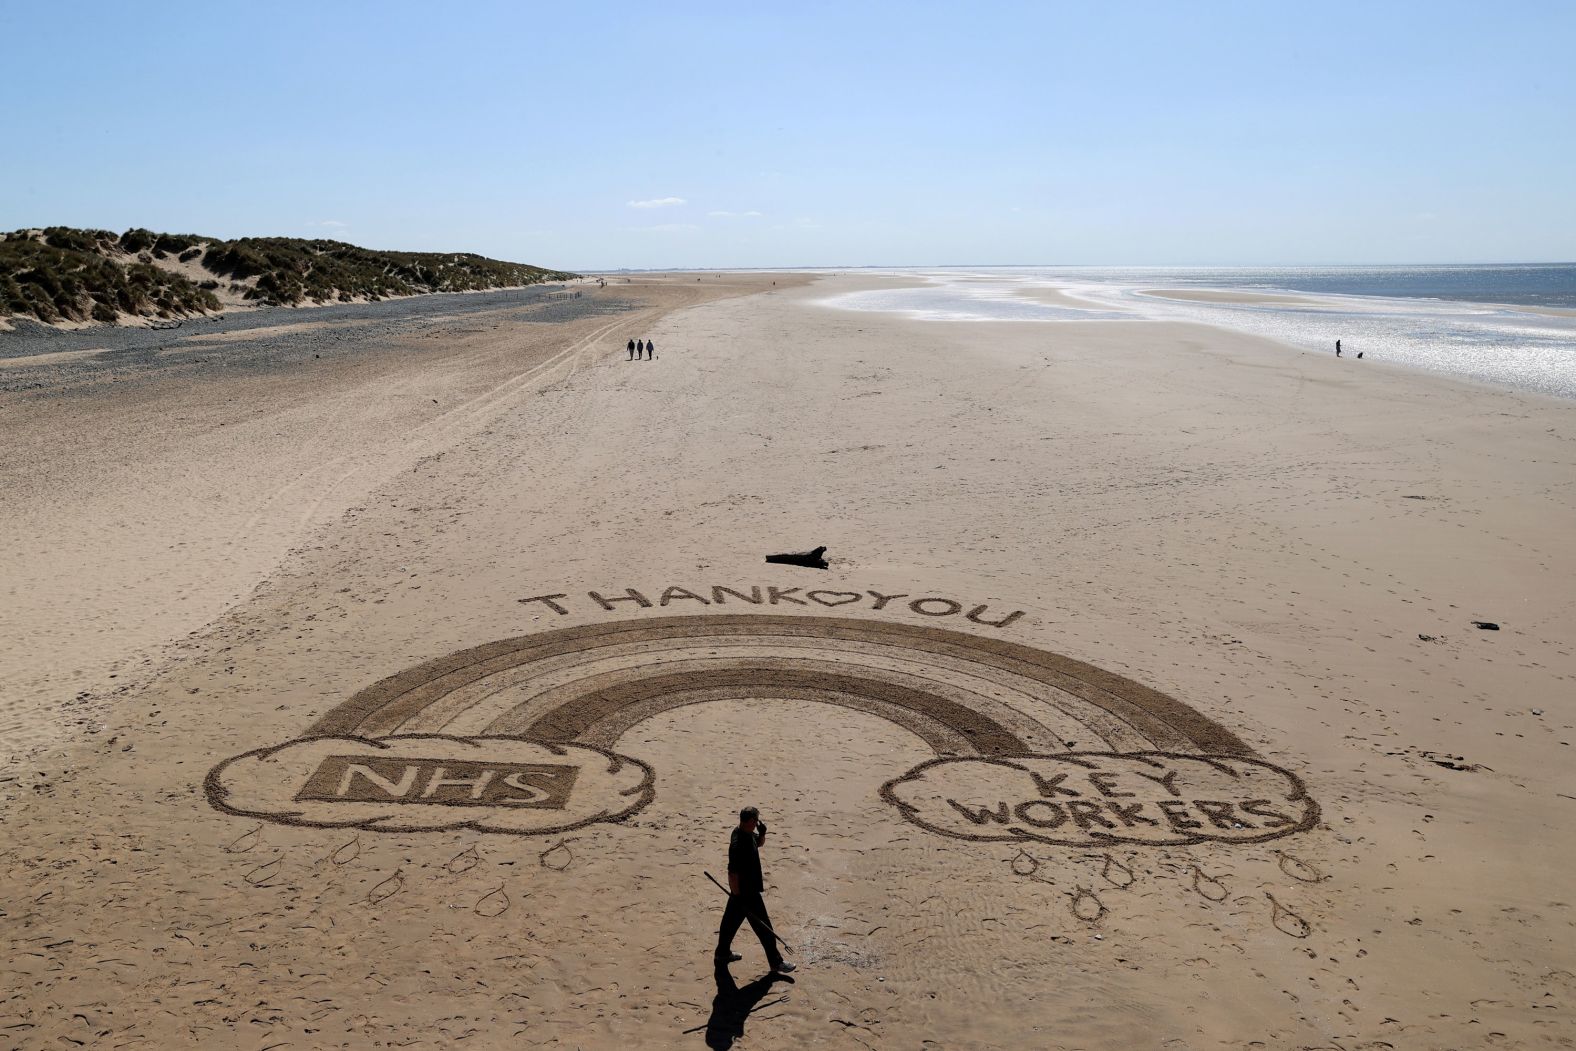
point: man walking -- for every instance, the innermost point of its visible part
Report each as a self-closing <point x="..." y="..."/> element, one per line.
<point x="631" y="351"/>
<point x="744" y="893"/>
<point x="651" y="349"/>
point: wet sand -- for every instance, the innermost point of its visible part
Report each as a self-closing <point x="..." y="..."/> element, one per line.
<point x="1201" y="295"/>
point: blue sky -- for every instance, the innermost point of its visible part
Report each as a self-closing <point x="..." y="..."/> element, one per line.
<point x="676" y="134"/>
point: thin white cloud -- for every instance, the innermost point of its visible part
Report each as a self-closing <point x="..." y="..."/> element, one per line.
<point x="331" y="222"/>
<point x="663" y="228"/>
<point x="657" y="202"/>
<point x="752" y="214"/>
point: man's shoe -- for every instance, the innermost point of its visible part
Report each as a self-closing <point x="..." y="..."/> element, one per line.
<point x="726" y="957"/>
<point x="784" y="967"/>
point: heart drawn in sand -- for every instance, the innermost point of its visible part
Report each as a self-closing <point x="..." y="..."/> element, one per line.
<point x="838" y="598"/>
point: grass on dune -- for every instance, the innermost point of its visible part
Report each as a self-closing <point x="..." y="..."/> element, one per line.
<point x="61" y="274"/>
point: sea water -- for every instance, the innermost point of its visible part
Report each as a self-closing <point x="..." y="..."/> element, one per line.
<point x="1477" y="322"/>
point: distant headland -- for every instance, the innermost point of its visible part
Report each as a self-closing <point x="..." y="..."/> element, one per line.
<point x="68" y="277"/>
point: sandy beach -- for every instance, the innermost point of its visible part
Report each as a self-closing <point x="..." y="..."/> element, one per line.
<point x="1281" y="791"/>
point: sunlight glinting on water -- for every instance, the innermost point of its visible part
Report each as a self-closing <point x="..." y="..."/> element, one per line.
<point x="1504" y="345"/>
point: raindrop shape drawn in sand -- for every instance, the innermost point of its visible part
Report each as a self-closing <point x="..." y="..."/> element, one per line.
<point x="464" y="861"/>
<point x="1025" y="864"/>
<point x="347" y="852"/>
<point x="246" y="841"/>
<point x="263" y="875"/>
<point x="493" y="904"/>
<point x="1116" y="874"/>
<point x="557" y="857"/>
<point x="1298" y="869"/>
<point x="1207" y="887"/>
<point x="1286" y="921"/>
<point x="387" y="889"/>
<point x="1086" y="905"/>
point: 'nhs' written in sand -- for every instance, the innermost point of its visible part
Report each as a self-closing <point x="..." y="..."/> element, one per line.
<point x="679" y="599"/>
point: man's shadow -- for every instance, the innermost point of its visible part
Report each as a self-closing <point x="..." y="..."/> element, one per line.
<point x="733" y="1005"/>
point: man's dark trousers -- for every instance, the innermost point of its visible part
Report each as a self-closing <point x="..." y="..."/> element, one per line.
<point x="747" y="905"/>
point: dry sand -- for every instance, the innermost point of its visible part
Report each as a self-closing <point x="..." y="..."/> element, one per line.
<point x="137" y="512"/>
<point x="1290" y="547"/>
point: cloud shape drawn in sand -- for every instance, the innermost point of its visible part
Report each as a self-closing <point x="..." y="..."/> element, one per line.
<point x="432" y="782"/>
<point x="1091" y="799"/>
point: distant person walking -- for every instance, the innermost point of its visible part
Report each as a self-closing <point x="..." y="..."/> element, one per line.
<point x="1337" y="348"/>
<point x="631" y="351"/>
<point x="640" y="348"/>
<point x="744" y="893"/>
<point x="651" y="350"/>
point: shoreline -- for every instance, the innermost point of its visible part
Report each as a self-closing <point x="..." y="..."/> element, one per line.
<point x="1506" y="348"/>
<point x="1290" y="298"/>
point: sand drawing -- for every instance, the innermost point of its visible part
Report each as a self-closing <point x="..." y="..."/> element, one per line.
<point x="1092" y="799"/>
<point x="464" y="861"/>
<point x="520" y="736"/>
<point x="1086" y="904"/>
<point x="492" y="904"/>
<point x="1206" y="886"/>
<point x="1028" y="866"/>
<point x="1298" y="869"/>
<point x="246" y="841"/>
<point x="432" y="782"/>
<point x="557" y="857"/>
<point x="387" y="889"/>
<point x="1024" y="864"/>
<point x="1286" y="921"/>
<point x="1116" y="874"/>
<point x="263" y="874"/>
<point x="347" y="852"/>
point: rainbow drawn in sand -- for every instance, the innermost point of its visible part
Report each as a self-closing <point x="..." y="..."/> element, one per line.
<point x="520" y="735"/>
